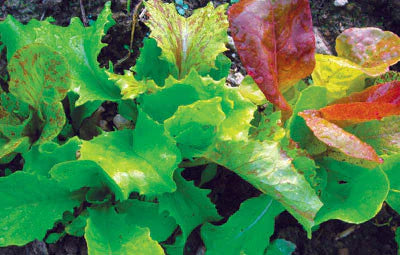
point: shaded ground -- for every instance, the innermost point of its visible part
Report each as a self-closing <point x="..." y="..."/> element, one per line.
<point x="375" y="237"/>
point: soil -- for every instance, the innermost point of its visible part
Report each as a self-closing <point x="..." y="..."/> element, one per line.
<point x="375" y="237"/>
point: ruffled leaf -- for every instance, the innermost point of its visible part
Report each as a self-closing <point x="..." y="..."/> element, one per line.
<point x="188" y="43"/>
<point x="275" y="42"/>
<point x="141" y="160"/>
<point x="80" y="45"/>
<point x="371" y="48"/>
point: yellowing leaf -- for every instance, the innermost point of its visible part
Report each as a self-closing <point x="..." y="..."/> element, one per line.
<point x="340" y="76"/>
<point x="192" y="42"/>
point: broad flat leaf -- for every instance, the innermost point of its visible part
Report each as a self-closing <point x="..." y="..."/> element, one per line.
<point x="246" y="232"/>
<point x="353" y="194"/>
<point x="275" y="42"/>
<point x="38" y="75"/>
<point x="391" y="168"/>
<point x="381" y="93"/>
<point x="108" y="233"/>
<point x="147" y="215"/>
<point x="383" y="135"/>
<point x="41" y="158"/>
<point x="80" y="45"/>
<point x="269" y="169"/>
<point x="149" y="66"/>
<point x="351" y="113"/>
<point x="141" y="160"/>
<point x="281" y="247"/>
<point x="340" y="76"/>
<point x="30" y="205"/>
<point x="83" y="173"/>
<point x="202" y="118"/>
<point x="373" y="49"/>
<point x="188" y="43"/>
<point x="249" y="89"/>
<point x="188" y="205"/>
<point x="163" y="103"/>
<point x="269" y="128"/>
<point x="335" y="137"/>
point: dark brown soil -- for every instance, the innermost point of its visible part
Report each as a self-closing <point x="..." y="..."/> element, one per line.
<point x="375" y="237"/>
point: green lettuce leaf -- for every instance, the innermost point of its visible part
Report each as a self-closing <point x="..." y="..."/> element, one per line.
<point x="149" y="66"/>
<point x="353" y="194"/>
<point x="246" y="232"/>
<point x="108" y="233"/>
<point x="163" y="103"/>
<point x="148" y="215"/>
<point x="383" y="135"/>
<point x="391" y="168"/>
<point x="188" y="205"/>
<point x="83" y="173"/>
<point x="188" y="43"/>
<point x="268" y="168"/>
<point x="80" y="45"/>
<point x="202" y="118"/>
<point x="41" y="158"/>
<point x="141" y="160"/>
<point x="30" y="205"/>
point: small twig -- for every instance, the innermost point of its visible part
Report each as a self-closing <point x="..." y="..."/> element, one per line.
<point x="84" y="19"/>
<point x="134" y="21"/>
<point x="43" y="14"/>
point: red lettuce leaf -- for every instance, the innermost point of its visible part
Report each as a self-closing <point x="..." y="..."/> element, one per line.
<point x="384" y="93"/>
<point x="352" y="113"/>
<point x="275" y="42"/>
<point x="338" y="138"/>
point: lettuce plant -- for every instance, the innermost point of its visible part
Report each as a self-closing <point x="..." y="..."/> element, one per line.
<point x="323" y="151"/>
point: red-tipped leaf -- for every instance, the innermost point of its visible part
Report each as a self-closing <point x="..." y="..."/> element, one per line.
<point x="384" y="93"/>
<point x="352" y="113"/>
<point x="275" y="42"/>
<point x="336" y="137"/>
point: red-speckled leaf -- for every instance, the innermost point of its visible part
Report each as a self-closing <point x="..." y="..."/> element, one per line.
<point x="373" y="49"/>
<point x="275" y="42"/>
<point x="38" y="75"/>
<point x="384" y="93"/>
<point x="352" y="113"/>
<point x="336" y="137"/>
